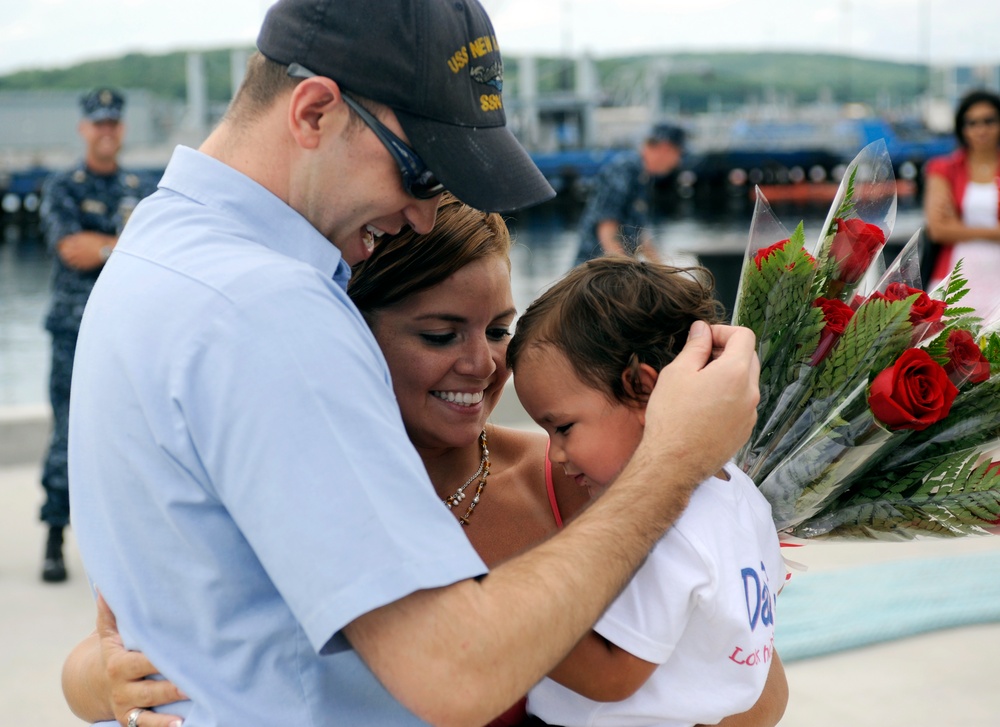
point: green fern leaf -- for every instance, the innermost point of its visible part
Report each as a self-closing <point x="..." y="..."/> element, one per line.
<point x="875" y="336"/>
<point x="846" y="208"/>
<point x="957" y="497"/>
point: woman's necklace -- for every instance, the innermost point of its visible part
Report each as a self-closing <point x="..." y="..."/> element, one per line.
<point x="482" y="473"/>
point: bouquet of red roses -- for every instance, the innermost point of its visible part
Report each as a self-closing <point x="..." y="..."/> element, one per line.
<point x="879" y="403"/>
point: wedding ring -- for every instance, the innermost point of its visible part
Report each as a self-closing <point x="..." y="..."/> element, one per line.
<point x="133" y="717"/>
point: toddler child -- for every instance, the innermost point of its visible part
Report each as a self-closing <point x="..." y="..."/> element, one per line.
<point x="690" y="639"/>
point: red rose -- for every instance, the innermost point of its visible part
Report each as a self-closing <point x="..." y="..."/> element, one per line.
<point x="765" y="252"/>
<point x="925" y="310"/>
<point x="966" y="361"/>
<point x="836" y="315"/>
<point x="913" y="393"/>
<point x="854" y="247"/>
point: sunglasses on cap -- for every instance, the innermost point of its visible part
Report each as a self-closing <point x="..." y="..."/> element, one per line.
<point x="418" y="180"/>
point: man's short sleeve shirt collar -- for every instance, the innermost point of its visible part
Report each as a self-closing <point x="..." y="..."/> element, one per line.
<point x="289" y="234"/>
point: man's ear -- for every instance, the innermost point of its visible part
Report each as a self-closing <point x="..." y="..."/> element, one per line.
<point x="641" y="386"/>
<point x="312" y="100"/>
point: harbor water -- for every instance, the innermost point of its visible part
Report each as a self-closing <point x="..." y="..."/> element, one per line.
<point x="712" y="232"/>
<point x="25" y="266"/>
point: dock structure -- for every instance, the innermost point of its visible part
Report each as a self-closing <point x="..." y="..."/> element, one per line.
<point x="38" y="131"/>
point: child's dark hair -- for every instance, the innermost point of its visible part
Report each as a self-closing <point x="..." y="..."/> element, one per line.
<point x="612" y="314"/>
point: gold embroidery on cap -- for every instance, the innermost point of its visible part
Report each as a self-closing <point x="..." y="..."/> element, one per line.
<point x="482" y="46"/>
<point x="458" y="60"/>
<point x="490" y="102"/>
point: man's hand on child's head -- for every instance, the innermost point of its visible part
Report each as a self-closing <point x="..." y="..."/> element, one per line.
<point x="705" y="406"/>
<point x="736" y="346"/>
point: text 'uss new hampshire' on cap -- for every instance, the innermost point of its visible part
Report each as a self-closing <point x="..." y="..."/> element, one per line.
<point x="437" y="65"/>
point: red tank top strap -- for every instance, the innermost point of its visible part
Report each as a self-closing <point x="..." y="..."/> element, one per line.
<point x="550" y="488"/>
<point x="513" y="717"/>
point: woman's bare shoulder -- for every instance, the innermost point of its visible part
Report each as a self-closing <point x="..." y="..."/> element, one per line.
<point x="518" y="446"/>
<point x="514" y="513"/>
<point x="529" y="452"/>
<point x="521" y="454"/>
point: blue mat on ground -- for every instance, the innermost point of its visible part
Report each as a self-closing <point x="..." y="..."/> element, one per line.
<point x="821" y="613"/>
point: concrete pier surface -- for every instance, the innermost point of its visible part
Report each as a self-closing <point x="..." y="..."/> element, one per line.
<point x="937" y="679"/>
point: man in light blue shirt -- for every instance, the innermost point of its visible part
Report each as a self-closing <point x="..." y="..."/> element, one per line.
<point x="245" y="496"/>
<point x="216" y="461"/>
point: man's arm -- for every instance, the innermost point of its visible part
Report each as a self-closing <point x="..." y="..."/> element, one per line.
<point x="498" y="636"/>
<point x="607" y="235"/>
<point x="647" y="248"/>
<point x="944" y="225"/>
<point x="61" y="221"/>
<point x="85" y="250"/>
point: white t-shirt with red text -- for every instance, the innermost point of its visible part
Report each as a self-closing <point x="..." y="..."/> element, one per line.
<point x="702" y="607"/>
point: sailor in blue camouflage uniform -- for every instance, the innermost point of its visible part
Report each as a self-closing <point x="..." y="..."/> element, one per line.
<point x="83" y="211"/>
<point x="615" y="220"/>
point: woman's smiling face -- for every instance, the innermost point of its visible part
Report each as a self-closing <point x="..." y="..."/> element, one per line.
<point x="981" y="126"/>
<point x="446" y="348"/>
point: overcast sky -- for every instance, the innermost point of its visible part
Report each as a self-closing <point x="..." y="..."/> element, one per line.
<point x="56" y="33"/>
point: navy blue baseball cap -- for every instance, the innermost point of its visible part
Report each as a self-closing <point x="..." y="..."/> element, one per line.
<point x="102" y="104"/>
<point x="668" y="132"/>
<point x="437" y="65"/>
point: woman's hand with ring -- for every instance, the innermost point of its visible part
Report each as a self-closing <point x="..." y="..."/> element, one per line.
<point x="126" y="673"/>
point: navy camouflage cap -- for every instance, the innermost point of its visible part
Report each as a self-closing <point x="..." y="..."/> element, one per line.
<point x="102" y="104"/>
<point x="667" y="132"/>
